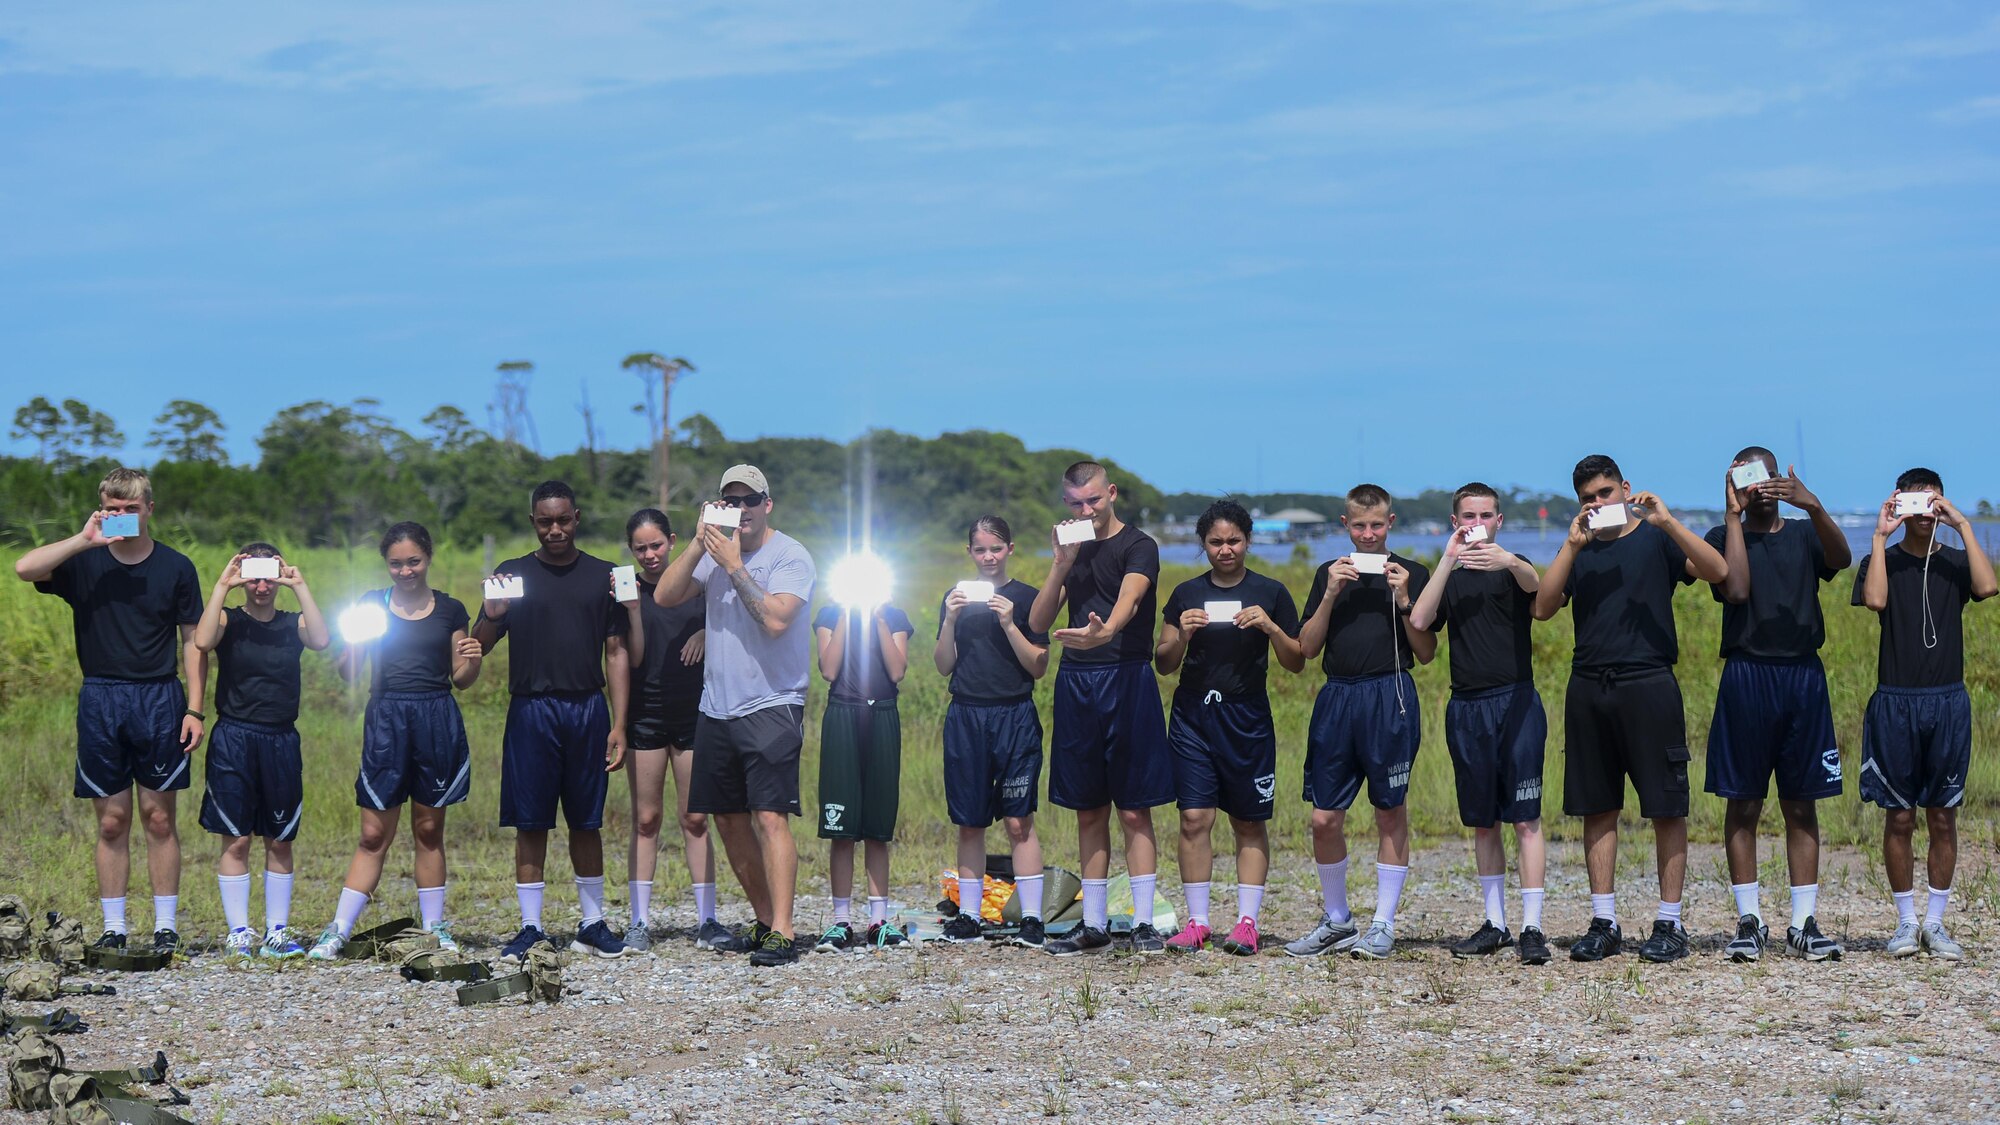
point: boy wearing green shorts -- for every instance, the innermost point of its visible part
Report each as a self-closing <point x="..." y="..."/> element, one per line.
<point x="863" y="653"/>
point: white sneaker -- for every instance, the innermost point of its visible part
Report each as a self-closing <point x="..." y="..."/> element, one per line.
<point x="1938" y="944"/>
<point x="241" y="942"/>
<point x="329" y="945"/>
<point x="1905" y="941"/>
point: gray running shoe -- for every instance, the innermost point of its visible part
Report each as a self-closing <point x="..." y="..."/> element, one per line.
<point x="1806" y="941"/>
<point x="1748" y="944"/>
<point x="1376" y="943"/>
<point x="1146" y="940"/>
<point x="1938" y="944"/>
<point x="638" y="938"/>
<point x="713" y="935"/>
<point x="1327" y="937"/>
<point x="1905" y="941"/>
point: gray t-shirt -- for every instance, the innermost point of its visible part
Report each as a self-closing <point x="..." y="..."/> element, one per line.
<point x="746" y="669"/>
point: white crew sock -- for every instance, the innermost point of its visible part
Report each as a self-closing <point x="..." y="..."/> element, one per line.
<point x="235" y="899"/>
<point x="1333" y="890"/>
<point x="1028" y="888"/>
<point x="1934" y="914"/>
<point x="590" y="896"/>
<point x="1249" y="901"/>
<point x="166" y="912"/>
<point x="1197" y="900"/>
<point x="1805" y="903"/>
<point x="114" y="914"/>
<point x="878" y="910"/>
<point x="529" y="895"/>
<point x="1746" y="899"/>
<point x="1906" y="907"/>
<point x="1531" y="907"/>
<point x="1093" y="903"/>
<point x="641" y="891"/>
<point x="1604" y="906"/>
<point x="277" y="900"/>
<point x="1493" y="888"/>
<point x="843" y="910"/>
<point x="971" y="896"/>
<point x="352" y="903"/>
<point x="1388" y="891"/>
<point x="704" y="902"/>
<point x="430" y="905"/>
<point x="1669" y="912"/>
<point x="1142" y="899"/>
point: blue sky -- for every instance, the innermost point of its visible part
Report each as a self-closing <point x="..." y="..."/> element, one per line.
<point x="1236" y="245"/>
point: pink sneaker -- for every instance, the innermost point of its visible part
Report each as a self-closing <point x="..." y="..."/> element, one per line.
<point x="1242" y="941"/>
<point x="1193" y="938"/>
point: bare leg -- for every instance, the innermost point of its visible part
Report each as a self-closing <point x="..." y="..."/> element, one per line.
<point x="235" y="858"/>
<point x="694" y="826"/>
<point x="586" y="853"/>
<point x="1943" y="858"/>
<point x="1329" y="831"/>
<point x="781" y="865"/>
<point x="1196" y="853"/>
<point x="840" y="868"/>
<point x="163" y="840"/>
<point x="1142" y="851"/>
<point x="1739" y="838"/>
<point x="1026" y="845"/>
<point x="1093" y="842"/>
<point x="427" y="835"/>
<point x="1489" y="852"/>
<point x="1534" y="852"/>
<point x="875" y="853"/>
<point x="277" y="857"/>
<point x="746" y="859"/>
<point x="1898" y="859"/>
<point x="972" y="853"/>
<point x="1393" y="825"/>
<point x="378" y="831"/>
<point x="1801" y="841"/>
<point x="1670" y="853"/>
<point x="531" y="853"/>
<point x="646" y="776"/>
<point x="1600" y="851"/>
<point x="1253" y="852"/>
<point x="114" y="843"/>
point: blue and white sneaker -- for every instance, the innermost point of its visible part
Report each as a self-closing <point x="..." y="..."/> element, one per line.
<point x="597" y="940"/>
<point x="527" y="939"/>
<point x="441" y="930"/>
<point x="279" y="945"/>
<point x="241" y="942"/>
<point x="329" y="945"/>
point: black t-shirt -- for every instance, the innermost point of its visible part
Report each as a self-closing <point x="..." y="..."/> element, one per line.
<point x="416" y="656"/>
<point x="1092" y="587"/>
<point x="863" y="675"/>
<point x="259" y="661"/>
<point x="1220" y="656"/>
<point x="1782" y="619"/>
<point x="127" y="618"/>
<point x="1364" y="636"/>
<point x="660" y="682"/>
<point x="1621" y="594"/>
<point x="1490" y="621"/>
<point x="1902" y="659"/>
<point x="987" y="670"/>
<point x="556" y="630"/>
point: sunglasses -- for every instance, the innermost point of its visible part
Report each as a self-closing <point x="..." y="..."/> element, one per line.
<point x="746" y="500"/>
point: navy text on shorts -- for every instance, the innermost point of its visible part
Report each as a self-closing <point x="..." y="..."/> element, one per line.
<point x="553" y="753"/>
<point x="1110" y="744"/>
<point x="128" y="732"/>
<point x="254" y="783"/>
<point x="1916" y="745"/>
<point x="992" y="761"/>
<point x="1363" y="727"/>
<point x="1497" y="739"/>
<point x="413" y="748"/>
<point x="1772" y="717"/>
<point x="1225" y="754"/>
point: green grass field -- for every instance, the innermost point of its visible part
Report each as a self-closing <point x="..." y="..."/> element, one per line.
<point x="45" y="834"/>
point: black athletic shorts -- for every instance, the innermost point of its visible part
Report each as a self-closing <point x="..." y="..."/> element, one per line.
<point x="747" y="763"/>
<point x="670" y="727"/>
<point x="1619" y="725"/>
<point x="860" y="770"/>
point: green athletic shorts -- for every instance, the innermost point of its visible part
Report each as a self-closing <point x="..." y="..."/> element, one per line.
<point x="860" y="770"/>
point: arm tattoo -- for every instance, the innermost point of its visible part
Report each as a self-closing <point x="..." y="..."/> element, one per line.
<point x="748" y="591"/>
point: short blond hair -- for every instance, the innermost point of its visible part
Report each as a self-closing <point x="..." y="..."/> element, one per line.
<point x="126" y="484"/>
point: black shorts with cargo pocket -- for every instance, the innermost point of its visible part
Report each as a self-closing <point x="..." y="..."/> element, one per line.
<point x="1620" y="724"/>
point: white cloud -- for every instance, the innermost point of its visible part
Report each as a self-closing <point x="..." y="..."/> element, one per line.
<point x="1825" y="181"/>
<point x="502" y="49"/>
<point x="1638" y="107"/>
<point x="1976" y="109"/>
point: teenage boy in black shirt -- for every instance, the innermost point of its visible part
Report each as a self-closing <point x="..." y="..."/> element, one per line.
<point x="1917" y="736"/>
<point x="1494" y="725"/>
<point x="568" y="645"/>
<point x="1110" y="741"/>
<point x="1622" y="716"/>
<point x="1219" y="630"/>
<point x="1365" y="720"/>
<point x="1772" y="710"/>
<point x="135" y="726"/>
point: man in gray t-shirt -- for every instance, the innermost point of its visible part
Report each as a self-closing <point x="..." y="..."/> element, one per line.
<point x="757" y="582"/>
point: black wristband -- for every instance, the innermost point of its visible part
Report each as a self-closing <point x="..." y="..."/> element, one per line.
<point x="194" y="714"/>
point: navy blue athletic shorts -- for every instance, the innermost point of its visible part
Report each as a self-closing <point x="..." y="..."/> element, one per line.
<point x="1497" y="738"/>
<point x="1225" y="753"/>
<point x="1619" y="725"/>
<point x="992" y="761"/>
<point x="255" y="781"/>
<point x="1772" y="718"/>
<point x="1363" y="728"/>
<point x="413" y="748"/>
<point x="1916" y="745"/>
<point x="1110" y="744"/>
<point x="128" y="732"/>
<point x="553" y="753"/>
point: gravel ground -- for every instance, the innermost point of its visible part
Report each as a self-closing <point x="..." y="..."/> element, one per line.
<point x="981" y="1034"/>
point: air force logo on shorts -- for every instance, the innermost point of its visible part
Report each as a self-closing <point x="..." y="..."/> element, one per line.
<point x="831" y="814"/>
<point x="1830" y="758"/>
<point x="1267" y="786"/>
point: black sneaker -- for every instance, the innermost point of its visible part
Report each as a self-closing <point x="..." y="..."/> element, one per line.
<point x="110" y="940"/>
<point x="775" y="949"/>
<point x="947" y="908"/>
<point x="1145" y="939"/>
<point x="1534" y="948"/>
<point x="1748" y="944"/>
<point x="527" y="939"/>
<point x="1603" y="940"/>
<point x="1031" y="934"/>
<point x="886" y="935"/>
<point x="167" y="942"/>
<point x="1668" y="943"/>
<point x="1488" y="938"/>
<point x="962" y="929"/>
<point x="1809" y="943"/>
<point x="741" y="940"/>
<point x="1083" y="939"/>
